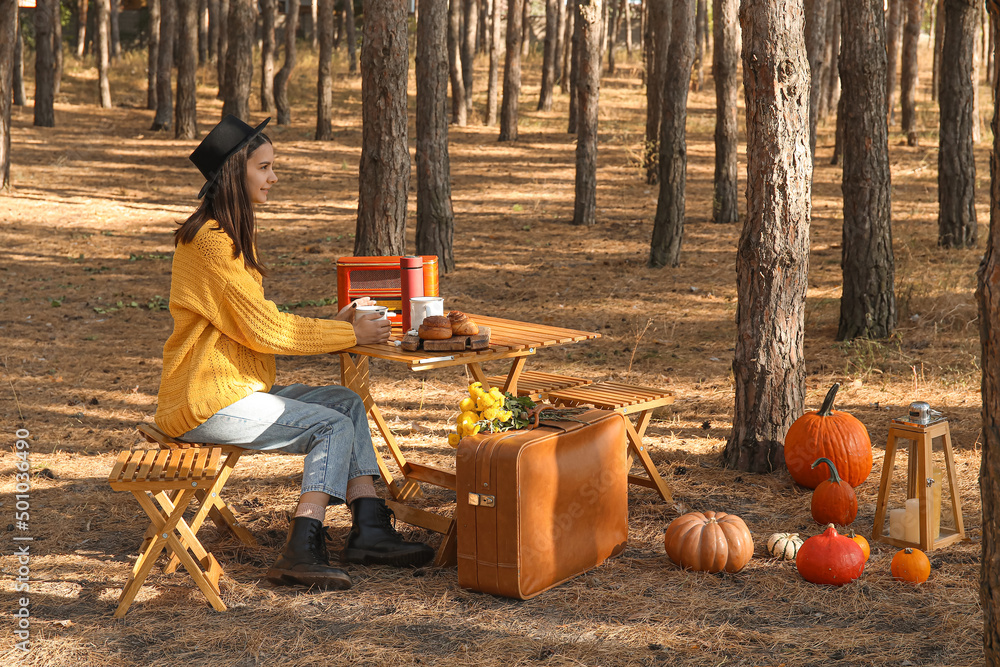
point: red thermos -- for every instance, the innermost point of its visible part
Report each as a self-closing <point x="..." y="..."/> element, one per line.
<point x="411" y="270"/>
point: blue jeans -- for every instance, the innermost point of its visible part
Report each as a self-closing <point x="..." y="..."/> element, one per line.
<point x="327" y="424"/>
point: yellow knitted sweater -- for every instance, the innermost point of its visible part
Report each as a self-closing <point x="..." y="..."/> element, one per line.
<point x="226" y="333"/>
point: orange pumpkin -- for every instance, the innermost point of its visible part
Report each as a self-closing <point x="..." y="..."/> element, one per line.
<point x="833" y="500"/>
<point x="910" y="565"/>
<point x="709" y="542"/>
<point x="828" y="433"/>
<point x="830" y="558"/>
<point x="863" y="543"/>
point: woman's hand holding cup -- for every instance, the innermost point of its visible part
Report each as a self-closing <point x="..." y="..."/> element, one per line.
<point x="371" y="328"/>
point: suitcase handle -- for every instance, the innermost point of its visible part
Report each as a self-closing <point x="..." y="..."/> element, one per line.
<point x="560" y="415"/>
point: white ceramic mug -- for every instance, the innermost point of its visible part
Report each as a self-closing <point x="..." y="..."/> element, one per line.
<point x="381" y="310"/>
<point x="424" y="306"/>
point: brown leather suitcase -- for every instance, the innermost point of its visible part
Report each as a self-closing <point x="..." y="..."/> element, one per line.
<point x="538" y="506"/>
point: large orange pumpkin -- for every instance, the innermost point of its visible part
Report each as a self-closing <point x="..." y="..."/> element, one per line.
<point x="830" y="559"/>
<point x="832" y="434"/>
<point x="709" y="542"/>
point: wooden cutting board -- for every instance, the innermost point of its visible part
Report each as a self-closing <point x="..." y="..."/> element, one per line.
<point x="479" y="341"/>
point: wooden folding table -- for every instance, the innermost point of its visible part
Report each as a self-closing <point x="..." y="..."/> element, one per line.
<point x="509" y="339"/>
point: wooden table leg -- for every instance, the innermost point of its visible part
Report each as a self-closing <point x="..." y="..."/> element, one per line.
<point x="638" y="449"/>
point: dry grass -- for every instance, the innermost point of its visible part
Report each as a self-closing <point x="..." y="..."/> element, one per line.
<point x="87" y="225"/>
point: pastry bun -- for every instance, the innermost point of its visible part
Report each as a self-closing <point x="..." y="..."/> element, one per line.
<point x="435" y="327"/>
<point x="462" y="324"/>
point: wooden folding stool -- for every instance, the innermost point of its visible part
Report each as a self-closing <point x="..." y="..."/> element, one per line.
<point x="211" y="503"/>
<point x="629" y="400"/>
<point x="172" y="479"/>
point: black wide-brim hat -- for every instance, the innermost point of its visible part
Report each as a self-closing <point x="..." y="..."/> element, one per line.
<point x="229" y="136"/>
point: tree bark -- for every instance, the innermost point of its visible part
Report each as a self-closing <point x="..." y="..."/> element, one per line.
<point x="281" y="78"/>
<point x="164" y="66"/>
<point x="223" y="49"/>
<point x="525" y="27"/>
<point x="458" y="108"/>
<point x="549" y="55"/>
<point x="202" y="32"/>
<point x="773" y="256"/>
<point x="81" y="27"/>
<point x="57" y="43"/>
<point x="103" y="52"/>
<point x="557" y="55"/>
<point x="45" y="66"/>
<point x="269" y="15"/>
<point x="351" y="38"/>
<point x="815" y="35"/>
<point x="324" y="79"/>
<point x="725" y="61"/>
<point x="469" y="39"/>
<point x="868" y="303"/>
<point x="988" y="299"/>
<point x="908" y="80"/>
<point x="938" y="43"/>
<point x="338" y="22"/>
<point x="830" y="78"/>
<point x="613" y="15"/>
<point x="435" y="217"/>
<point x="314" y="26"/>
<point x="627" y="10"/>
<point x="700" y="37"/>
<point x="239" y="59"/>
<point x="8" y="38"/>
<point x="154" y="51"/>
<point x="588" y="90"/>
<point x="657" y="50"/>
<point x="186" y="112"/>
<point x="574" y="69"/>
<point x="566" y="54"/>
<point x="511" y="71"/>
<point x="668" y="226"/>
<point x="385" y="158"/>
<point x="19" y="92"/>
<point x="213" y="30"/>
<point x="494" y="80"/>
<point x="893" y="32"/>
<point x="956" y="163"/>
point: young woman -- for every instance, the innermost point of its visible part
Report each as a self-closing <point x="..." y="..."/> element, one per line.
<point x="218" y="367"/>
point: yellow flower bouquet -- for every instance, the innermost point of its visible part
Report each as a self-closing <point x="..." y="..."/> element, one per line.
<point x="489" y="411"/>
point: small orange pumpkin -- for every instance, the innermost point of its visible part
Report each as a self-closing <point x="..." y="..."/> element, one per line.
<point x="833" y="500"/>
<point x="709" y="542"/>
<point x="836" y="435"/>
<point x="910" y="565"/>
<point x="863" y="543"/>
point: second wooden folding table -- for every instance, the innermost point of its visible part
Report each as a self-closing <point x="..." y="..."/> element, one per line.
<point x="509" y="339"/>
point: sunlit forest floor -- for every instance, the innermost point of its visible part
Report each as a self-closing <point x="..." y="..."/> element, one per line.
<point x="85" y="248"/>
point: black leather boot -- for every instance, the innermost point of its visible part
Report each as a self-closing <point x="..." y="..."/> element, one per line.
<point x="304" y="560"/>
<point x="373" y="539"/>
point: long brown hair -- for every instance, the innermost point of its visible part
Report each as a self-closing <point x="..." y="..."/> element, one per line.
<point x="228" y="203"/>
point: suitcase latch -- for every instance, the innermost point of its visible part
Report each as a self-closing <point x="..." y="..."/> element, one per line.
<point x="481" y="500"/>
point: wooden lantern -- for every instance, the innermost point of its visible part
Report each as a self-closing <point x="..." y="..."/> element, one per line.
<point x="919" y="438"/>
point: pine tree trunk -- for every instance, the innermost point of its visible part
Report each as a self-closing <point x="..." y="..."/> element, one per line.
<point x="657" y="49"/>
<point x="338" y="23"/>
<point x="574" y="69"/>
<point x="511" y="71"/>
<point x="281" y="78"/>
<point x="435" y="217"/>
<point x="45" y="66"/>
<point x="525" y="42"/>
<point x="908" y="80"/>
<point x="8" y="38"/>
<point x="893" y="32"/>
<point x="988" y="298"/>
<point x="57" y="44"/>
<point x="700" y="37"/>
<point x="588" y="90"/>
<point x="164" y="66"/>
<point x="549" y="55"/>
<point x="154" y="53"/>
<point x="558" y="74"/>
<point x="828" y="72"/>
<point x="612" y="9"/>
<point x="351" y="38"/>
<point x="668" y="226"/>
<point x="115" y="32"/>
<point x="815" y="35"/>
<point x="223" y="45"/>
<point x="17" y="79"/>
<point x="81" y="27"/>
<point x="458" y="108"/>
<point x="213" y="30"/>
<point x="569" y="27"/>
<point x="385" y="159"/>
<point x="773" y="257"/>
<point x="956" y="164"/>
<point x="324" y="79"/>
<point x="314" y="25"/>
<point x="725" y="61"/>
<point x="469" y="38"/>
<point x="269" y="15"/>
<point x="977" y="129"/>
<point x="868" y="303"/>
<point x="239" y="59"/>
<point x="103" y="52"/>
<point x="186" y="113"/>
<point x="938" y="43"/>
<point x="494" y="81"/>
<point x="627" y="13"/>
<point x="202" y="32"/>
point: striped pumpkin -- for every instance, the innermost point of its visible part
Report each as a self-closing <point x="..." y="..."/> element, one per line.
<point x="784" y="546"/>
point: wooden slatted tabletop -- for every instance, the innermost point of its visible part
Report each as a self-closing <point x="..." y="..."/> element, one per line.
<point x="508" y="338"/>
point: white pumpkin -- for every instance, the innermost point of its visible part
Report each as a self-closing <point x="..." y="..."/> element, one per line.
<point x="784" y="546"/>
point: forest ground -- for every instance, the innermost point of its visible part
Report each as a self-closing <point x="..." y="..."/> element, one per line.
<point x="85" y="250"/>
